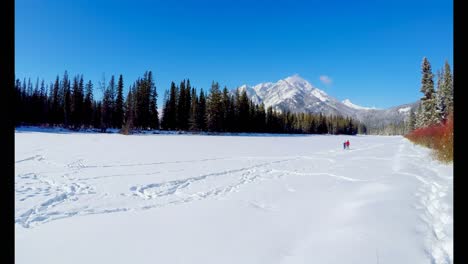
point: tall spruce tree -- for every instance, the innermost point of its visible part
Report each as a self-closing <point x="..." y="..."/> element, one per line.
<point x="66" y="99"/>
<point x="129" y="113"/>
<point x="88" y="104"/>
<point x="55" y="103"/>
<point x="428" y="101"/>
<point x="107" y="107"/>
<point x="411" y="121"/>
<point x="181" y="105"/>
<point x="214" y="109"/>
<point x="119" y="104"/>
<point x="201" y="112"/>
<point x="78" y="99"/>
<point x="153" y="97"/>
<point x="447" y="89"/>
<point x="244" y="111"/>
<point x="193" y="111"/>
<point x="171" y="110"/>
<point x="440" y="102"/>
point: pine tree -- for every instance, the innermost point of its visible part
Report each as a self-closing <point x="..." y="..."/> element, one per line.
<point x="447" y="89"/>
<point x="170" y="109"/>
<point x="419" y="116"/>
<point x="428" y="101"/>
<point x="181" y="104"/>
<point x="193" y="111"/>
<point x="261" y="118"/>
<point x="201" y="112"/>
<point x="77" y="104"/>
<point x="88" y="104"/>
<point x="111" y="102"/>
<point x="226" y="124"/>
<point x="153" y="97"/>
<point x="119" y="104"/>
<point x="411" y="121"/>
<point x="97" y="115"/>
<point x="214" y="111"/>
<point x="107" y="107"/>
<point x="66" y="100"/>
<point x="44" y="112"/>
<point x="129" y="113"/>
<point x="55" y="104"/>
<point x="244" y="111"/>
<point x="441" y="108"/>
<point x="188" y="105"/>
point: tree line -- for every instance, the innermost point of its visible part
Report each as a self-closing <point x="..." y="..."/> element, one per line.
<point x="434" y="107"/>
<point x="70" y="103"/>
<point x="436" y="104"/>
<point x="223" y="111"/>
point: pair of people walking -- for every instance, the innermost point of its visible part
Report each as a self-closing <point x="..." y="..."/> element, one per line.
<point x="346" y="144"/>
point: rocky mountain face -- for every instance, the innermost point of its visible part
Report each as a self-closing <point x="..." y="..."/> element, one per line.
<point x="297" y="95"/>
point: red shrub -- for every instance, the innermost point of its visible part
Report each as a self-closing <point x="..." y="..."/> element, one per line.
<point x="438" y="137"/>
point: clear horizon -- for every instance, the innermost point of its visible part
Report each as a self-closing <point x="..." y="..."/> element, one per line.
<point x="367" y="52"/>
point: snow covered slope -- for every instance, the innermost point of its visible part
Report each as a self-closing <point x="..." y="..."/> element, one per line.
<point x="347" y="102"/>
<point x="109" y="198"/>
<point x="297" y="95"/>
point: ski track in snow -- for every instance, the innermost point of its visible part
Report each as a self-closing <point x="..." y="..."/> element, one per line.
<point x="42" y="197"/>
<point x="439" y="244"/>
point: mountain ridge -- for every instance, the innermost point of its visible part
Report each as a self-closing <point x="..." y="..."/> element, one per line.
<point x="295" y="94"/>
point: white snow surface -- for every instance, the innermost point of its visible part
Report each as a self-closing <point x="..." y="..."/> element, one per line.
<point x="110" y="198"/>
<point x="404" y="109"/>
<point x="348" y="102"/>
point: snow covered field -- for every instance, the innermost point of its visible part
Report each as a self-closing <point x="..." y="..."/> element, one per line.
<point x="109" y="198"/>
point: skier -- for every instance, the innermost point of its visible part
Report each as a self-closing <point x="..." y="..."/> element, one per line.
<point x="344" y="145"/>
<point x="347" y="144"/>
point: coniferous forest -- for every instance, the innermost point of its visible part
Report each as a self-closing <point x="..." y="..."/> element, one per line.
<point x="432" y="124"/>
<point x="70" y="102"/>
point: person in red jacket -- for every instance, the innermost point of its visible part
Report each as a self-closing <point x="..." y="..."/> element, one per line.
<point x="347" y="144"/>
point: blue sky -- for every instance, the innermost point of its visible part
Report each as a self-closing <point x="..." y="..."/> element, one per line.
<point x="370" y="51"/>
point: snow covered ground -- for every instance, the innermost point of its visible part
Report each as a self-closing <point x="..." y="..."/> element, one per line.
<point x="109" y="198"/>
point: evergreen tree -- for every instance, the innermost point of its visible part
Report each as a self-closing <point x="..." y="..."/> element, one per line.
<point x="447" y="89"/>
<point x="260" y="119"/>
<point x="419" y="116"/>
<point x="193" y="111"/>
<point x="441" y="108"/>
<point x="181" y="105"/>
<point x="97" y="114"/>
<point x="55" y="104"/>
<point x="119" y="104"/>
<point x="170" y="109"/>
<point x="226" y="124"/>
<point x="411" y="121"/>
<point x="107" y="106"/>
<point x="44" y="111"/>
<point x="214" y="111"/>
<point x="67" y="99"/>
<point x="244" y="111"/>
<point x="88" y="104"/>
<point x="153" y="96"/>
<point x="78" y="99"/>
<point x="428" y="101"/>
<point x="188" y="106"/>
<point x="201" y="112"/>
<point x="129" y="113"/>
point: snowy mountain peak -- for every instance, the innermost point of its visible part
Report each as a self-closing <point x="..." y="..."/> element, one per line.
<point x="347" y="102"/>
<point x="292" y="93"/>
<point x="295" y="79"/>
<point x="296" y="94"/>
<point x="297" y="82"/>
